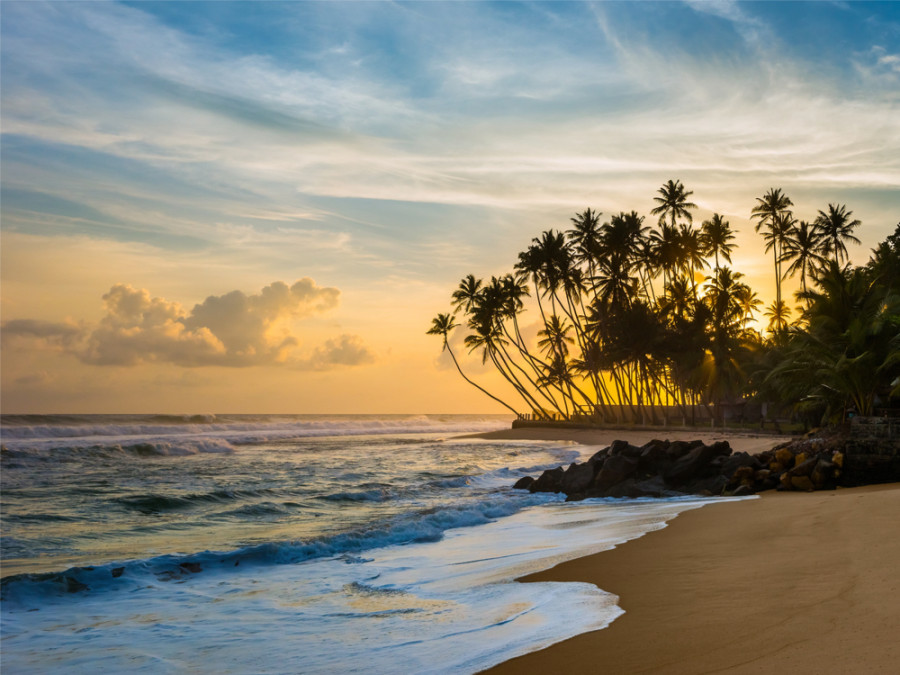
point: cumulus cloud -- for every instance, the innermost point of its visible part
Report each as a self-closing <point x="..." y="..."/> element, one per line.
<point x="345" y="350"/>
<point x="234" y="329"/>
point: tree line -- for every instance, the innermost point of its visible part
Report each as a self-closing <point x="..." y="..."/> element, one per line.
<point x="634" y="317"/>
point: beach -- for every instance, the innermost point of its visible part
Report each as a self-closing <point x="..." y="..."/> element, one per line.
<point x="787" y="582"/>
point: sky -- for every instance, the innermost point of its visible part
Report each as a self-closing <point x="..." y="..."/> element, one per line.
<point x="259" y="206"/>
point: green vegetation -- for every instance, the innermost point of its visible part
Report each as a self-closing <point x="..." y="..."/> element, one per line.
<point x="633" y="318"/>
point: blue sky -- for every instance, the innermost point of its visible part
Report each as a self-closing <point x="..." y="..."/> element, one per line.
<point x="191" y="150"/>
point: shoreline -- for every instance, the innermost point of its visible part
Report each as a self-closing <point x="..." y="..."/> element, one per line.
<point x="804" y="582"/>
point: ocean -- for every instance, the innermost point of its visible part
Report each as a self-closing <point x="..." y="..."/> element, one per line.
<point x="290" y="544"/>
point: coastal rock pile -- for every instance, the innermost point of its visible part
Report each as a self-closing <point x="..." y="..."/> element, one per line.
<point x="672" y="468"/>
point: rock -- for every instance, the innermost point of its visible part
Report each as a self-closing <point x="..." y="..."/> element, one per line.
<point x="838" y="459"/>
<point x="711" y="486"/>
<point x="688" y="466"/>
<point x="615" y="469"/>
<point x="822" y="475"/>
<point x="623" y="489"/>
<point x="776" y="467"/>
<point x="652" y="487"/>
<point x="742" y="491"/>
<point x="577" y="478"/>
<point x="678" y="449"/>
<point x="785" y="482"/>
<point x="762" y="475"/>
<point x="805" y="467"/>
<point x="653" y="458"/>
<point x="744" y="475"/>
<point x="802" y="483"/>
<point x="799" y="458"/>
<point x="599" y="456"/>
<point x="737" y="460"/>
<point x="624" y="448"/>
<point x="523" y="483"/>
<point x="784" y="457"/>
<point x="549" y="481"/>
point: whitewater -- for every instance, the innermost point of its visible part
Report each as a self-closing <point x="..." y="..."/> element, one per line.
<point x="290" y="543"/>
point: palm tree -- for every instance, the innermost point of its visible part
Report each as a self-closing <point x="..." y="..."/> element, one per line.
<point x="585" y="237"/>
<point x="802" y="244"/>
<point x="673" y="202"/>
<point x="715" y="235"/>
<point x="774" y="214"/>
<point x="464" y="296"/>
<point x="441" y="325"/>
<point x="837" y="228"/>
<point x="778" y="313"/>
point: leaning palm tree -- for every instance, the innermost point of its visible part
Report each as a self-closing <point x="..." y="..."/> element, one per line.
<point x="837" y="228"/>
<point x="673" y="201"/>
<point x="774" y="213"/>
<point x="715" y="234"/>
<point x="441" y="325"/>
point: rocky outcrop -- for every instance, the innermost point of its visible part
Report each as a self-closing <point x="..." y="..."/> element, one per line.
<point x="669" y="468"/>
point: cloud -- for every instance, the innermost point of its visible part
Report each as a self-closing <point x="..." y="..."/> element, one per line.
<point x="234" y="329"/>
<point x="345" y="350"/>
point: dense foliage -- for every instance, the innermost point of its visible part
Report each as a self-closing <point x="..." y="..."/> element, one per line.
<point x="633" y="318"/>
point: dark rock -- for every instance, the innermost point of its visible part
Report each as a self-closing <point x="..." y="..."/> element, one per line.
<point x="742" y="491"/>
<point x="712" y="486"/>
<point x="599" y="456"/>
<point x="624" y="448"/>
<point x="577" y="478"/>
<point x="652" y="487"/>
<point x="523" y="483"/>
<point x="744" y="475"/>
<point x="549" y="481"/>
<point x="822" y="475"/>
<point x="623" y="489"/>
<point x="738" y="460"/>
<point x="802" y="483"/>
<point x="688" y="466"/>
<point x="804" y="468"/>
<point x="615" y="469"/>
<point x="654" y="459"/>
<point x="678" y="449"/>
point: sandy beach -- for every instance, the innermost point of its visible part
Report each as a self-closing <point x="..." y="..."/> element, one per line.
<point x="787" y="582"/>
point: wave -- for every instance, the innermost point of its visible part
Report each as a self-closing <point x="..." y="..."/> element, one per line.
<point x="47" y="432"/>
<point x="157" y="448"/>
<point x="421" y="526"/>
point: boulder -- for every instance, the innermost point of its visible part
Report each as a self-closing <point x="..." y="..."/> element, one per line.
<point x="615" y="469"/>
<point x="742" y="491"/>
<point x="744" y="475"/>
<point x="739" y="459"/>
<point x="549" y="481"/>
<point x="653" y="458"/>
<point x="523" y="483"/>
<point x="711" y="486"/>
<point x="678" y="449"/>
<point x="822" y="475"/>
<point x="688" y="466"/>
<point x="802" y="483"/>
<point x="624" y="448"/>
<point x="784" y="457"/>
<point x="805" y="467"/>
<point x="599" y="456"/>
<point x="577" y="478"/>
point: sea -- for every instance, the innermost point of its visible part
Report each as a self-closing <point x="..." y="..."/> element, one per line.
<point x="291" y="544"/>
